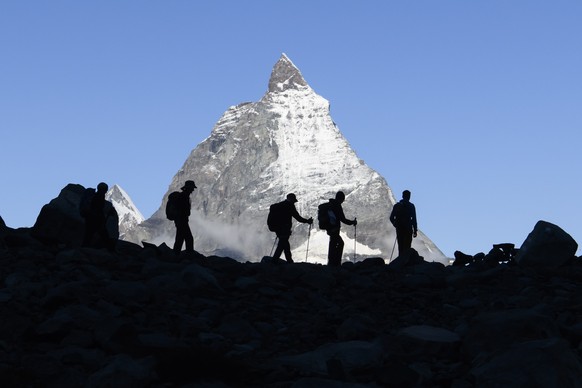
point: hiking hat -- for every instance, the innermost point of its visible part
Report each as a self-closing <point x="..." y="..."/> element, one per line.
<point x="189" y="185"/>
<point x="291" y="197"/>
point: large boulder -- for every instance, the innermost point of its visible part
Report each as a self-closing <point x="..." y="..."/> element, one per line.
<point x="347" y="355"/>
<point x="547" y="246"/>
<point x="429" y="340"/>
<point x="407" y="259"/>
<point x="60" y="222"/>
<point x="545" y="362"/>
<point x="491" y="332"/>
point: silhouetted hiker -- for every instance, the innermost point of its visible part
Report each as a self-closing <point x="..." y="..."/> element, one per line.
<point x="180" y="201"/>
<point x="280" y="220"/>
<point x="2" y="228"/>
<point x="331" y="215"/>
<point x="93" y="208"/>
<point x="403" y="217"/>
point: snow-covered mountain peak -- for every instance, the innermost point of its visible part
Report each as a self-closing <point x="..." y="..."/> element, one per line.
<point x="129" y="215"/>
<point x="116" y="191"/>
<point x="256" y="154"/>
<point x="285" y="76"/>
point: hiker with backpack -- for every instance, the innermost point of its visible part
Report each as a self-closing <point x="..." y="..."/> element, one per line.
<point x="178" y="210"/>
<point x="280" y="221"/>
<point x="331" y="215"/>
<point x="96" y="211"/>
<point x="403" y="217"/>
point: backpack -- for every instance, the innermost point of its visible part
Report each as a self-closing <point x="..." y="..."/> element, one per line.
<point x="276" y="217"/>
<point x="172" y="206"/>
<point x="85" y="203"/>
<point x="326" y="217"/>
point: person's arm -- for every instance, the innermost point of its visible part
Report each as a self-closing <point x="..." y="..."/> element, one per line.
<point x="343" y="218"/>
<point x="393" y="214"/>
<point x="414" y="224"/>
<point x="298" y="217"/>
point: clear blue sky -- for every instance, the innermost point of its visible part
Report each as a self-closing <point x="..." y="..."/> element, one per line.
<point x="475" y="106"/>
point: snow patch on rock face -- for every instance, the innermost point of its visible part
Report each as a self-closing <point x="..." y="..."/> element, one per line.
<point x="259" y="152"/>
<point x="312" y="153"/>
<point x="129" y="215"/>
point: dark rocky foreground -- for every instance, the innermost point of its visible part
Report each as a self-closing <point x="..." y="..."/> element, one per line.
<point x="141" y="317"/>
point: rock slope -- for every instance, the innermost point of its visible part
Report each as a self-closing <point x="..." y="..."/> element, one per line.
<point x="142" y="317"/>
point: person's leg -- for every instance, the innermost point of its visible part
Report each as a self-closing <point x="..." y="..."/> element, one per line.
<point x="336" y="247"/>
<point x="408" y="240"/>
<point x="404" y="238"/>
<point x="188" y="238"/>
<point x="280" y="246"/>
<point x="283" y="247"/>
<point x="330" y="250"/>
<point x="400" y="242"/>
<point x="179" y="237"/>
<point x="339" y="250"/>
<point x="287" y="249"/>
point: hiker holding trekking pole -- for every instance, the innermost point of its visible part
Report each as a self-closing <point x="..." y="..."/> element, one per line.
<point x="331" y="215"/>
<point x="280" y="221"/>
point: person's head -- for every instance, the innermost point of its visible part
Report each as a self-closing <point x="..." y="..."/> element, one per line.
<point x="102" y="187"/>
<point x="189" y="186"/>
<point x="406" y="195"/>
<point x="291" y="198"/>
<point x="340" y="196"/>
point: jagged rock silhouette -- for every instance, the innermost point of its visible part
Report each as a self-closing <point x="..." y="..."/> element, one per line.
<point x="60" y="222"/>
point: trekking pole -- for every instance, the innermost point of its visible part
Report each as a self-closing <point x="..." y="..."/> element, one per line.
<point x="274" y="246"/>
<point x="355" y="240"/>
<point x="308" y="236"/>
<point x="394" y="246"/>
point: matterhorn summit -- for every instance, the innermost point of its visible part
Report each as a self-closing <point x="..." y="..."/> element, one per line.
<point x="259" y="152"/>
<point x="285" y="76"/>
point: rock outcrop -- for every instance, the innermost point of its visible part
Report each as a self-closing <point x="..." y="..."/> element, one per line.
<point x="547" y="245"/>
<point x="60" y="222"/>
<point x="144" y="317"/>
